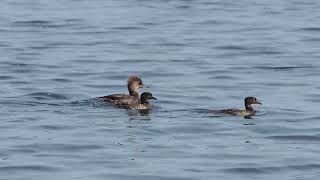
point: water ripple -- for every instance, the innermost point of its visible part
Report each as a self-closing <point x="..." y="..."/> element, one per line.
<point x="60" y="147"/>
<point x="296" y="137"/>
<point x="46" y="96"/>
<point x="196" y="55"/>
<point x="311" y="29"/>
<point x="40" y="168"/>
<point x="31" y="23"/>
<point x="284" y="67"/>
<point x="262" y="170"/>
<point x="233" y="47"/>
<point x="43" y="24"/>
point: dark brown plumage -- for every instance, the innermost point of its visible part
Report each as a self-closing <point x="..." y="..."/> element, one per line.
<point x="249" y="111"/>
<point x="142" y="104"/>
<point x="134" y="83"/>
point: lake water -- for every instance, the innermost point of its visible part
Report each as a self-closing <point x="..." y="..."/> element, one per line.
<point x="58" y="55"/>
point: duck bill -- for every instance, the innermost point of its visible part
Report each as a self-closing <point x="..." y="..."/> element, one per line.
<point x="145" y="86"/>
<point x="257" y="102"/>
<point x="153" y="98"/>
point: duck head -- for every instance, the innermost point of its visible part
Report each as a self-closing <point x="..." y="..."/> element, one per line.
<point x="250" y="100"/>
<point x="134" y="83"/>
<point x="146" y="96"/>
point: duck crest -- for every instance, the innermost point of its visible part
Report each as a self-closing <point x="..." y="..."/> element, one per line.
<point x="133" y="78"/>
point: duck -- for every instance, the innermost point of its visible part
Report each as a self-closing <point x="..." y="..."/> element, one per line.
<point x="249" y="111"/>
<point x="134" y="84"/>
<point x="142" y="104"/>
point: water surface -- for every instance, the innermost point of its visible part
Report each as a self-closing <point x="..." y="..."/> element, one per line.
<point x="57" y="55"/>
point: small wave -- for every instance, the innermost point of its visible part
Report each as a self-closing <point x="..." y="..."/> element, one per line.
<point x="73" y="20"/>
<point x="225" y="77"/>
<point x="305" y="166"/>
<point x="29" y="65"/>
<point x="101" y="86"/>
<point x="53" y="127"/>
<point x="291" y="110"/>
<point x="283" y="67"/>
<point x="183" y="7"/>
<point x="61" y="80"/>
<point x="209" y="22"/>
<point x="46" y="96"/>
<point x="29" y="168"/>
<point x="20" y="82"/>
<point x="88" y="61"/>
<point x="128" y="28"/>
<point x="4" y="77"/>
<point x="144" y="176"/>
<point x="214" y="72"/>
<point x="4" y="45"/>
<point x="60" y="147"/>
<point x="263" y="52"/>
<point x="40" y="24"/>
<point x="248" y="170"/>
<point x="94" y="102"/>
<point x="134" y="61"/>
<point x="313" y="29"/>
<point x="269" y="169"/>
<point x="31" y="23"/>
<point x="296" y="137"/>
<point x="19" y="102"/>
<point x="232" y="47"/>
<point x="79" y="74"/>
<point x="149" y="23"/>
<point x="313" y="39"/>
<point x="172" y="44"/>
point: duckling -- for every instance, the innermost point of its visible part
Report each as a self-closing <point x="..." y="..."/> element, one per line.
<point x="142" y="104"/>
<point x="246" y="113"/>
<point x="134" y="83"/>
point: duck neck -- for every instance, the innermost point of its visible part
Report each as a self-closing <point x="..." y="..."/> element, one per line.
<point x="249" y="107"/>
<point x="132" y="91"/>
<point x="143" y="101"/>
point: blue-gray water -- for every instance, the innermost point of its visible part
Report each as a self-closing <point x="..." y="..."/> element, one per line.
<point x="57" y="55"/>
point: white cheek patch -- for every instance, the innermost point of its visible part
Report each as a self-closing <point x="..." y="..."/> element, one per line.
<point x="255" y="105"/>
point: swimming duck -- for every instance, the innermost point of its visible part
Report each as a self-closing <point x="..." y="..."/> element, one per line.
<point x="134" y="83"/>
<point x="142" y="104"/>
<point x="246" y="113"/>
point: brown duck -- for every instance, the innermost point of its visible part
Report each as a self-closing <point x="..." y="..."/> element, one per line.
<point x="142" y="104"/>
<point x="134" y="83"/>
<point x="249" y="111"/>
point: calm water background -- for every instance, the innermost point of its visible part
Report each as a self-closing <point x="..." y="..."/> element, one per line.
<point x="57" y="55"/>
